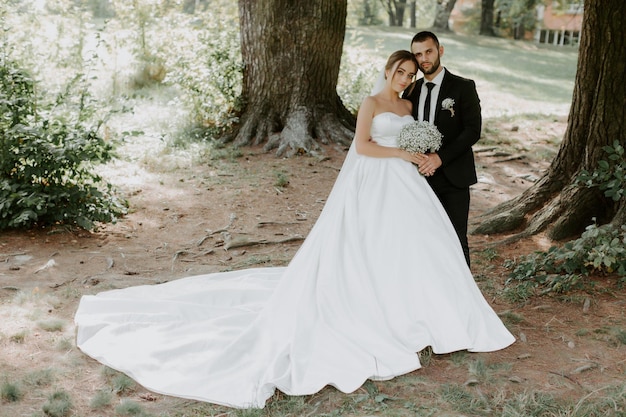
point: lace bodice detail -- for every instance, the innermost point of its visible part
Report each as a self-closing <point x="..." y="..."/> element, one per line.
<point x="386" y="127"/>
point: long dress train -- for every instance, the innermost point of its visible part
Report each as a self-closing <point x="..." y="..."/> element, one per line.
<point x="380" y="277"/>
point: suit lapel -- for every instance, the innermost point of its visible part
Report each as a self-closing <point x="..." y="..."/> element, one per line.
<point x="443" y="93"/>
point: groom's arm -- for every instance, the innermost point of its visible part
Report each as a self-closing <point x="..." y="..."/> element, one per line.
<point x="468" y="120"/>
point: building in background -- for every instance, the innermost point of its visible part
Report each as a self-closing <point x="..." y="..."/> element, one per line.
<point x="558" y="23"/>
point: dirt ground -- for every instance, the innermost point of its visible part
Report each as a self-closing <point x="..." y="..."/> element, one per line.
<point x="224" y="214"/>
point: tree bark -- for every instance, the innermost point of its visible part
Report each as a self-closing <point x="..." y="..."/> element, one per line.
<point x="291" y="53"/>
<point x="556" y="203"/>
<point x="442" y="15"/>
<point x="486" y="18"/>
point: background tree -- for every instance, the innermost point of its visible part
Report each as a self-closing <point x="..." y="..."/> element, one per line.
<point x="486" y="18"/>
<point x="557" y="203"/>
<point x="367" y="12"/>
<point x="516" y="16"/>
<point x="291" y="53"/>
<point x="413" y="13"/>
<point x="395" y="11"/>
<point x="442" y="15"/>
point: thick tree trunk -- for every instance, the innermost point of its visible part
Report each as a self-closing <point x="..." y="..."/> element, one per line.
<point x="556" y="203"/>
<point x="486" y="18"/>
<point x="291" y="53"/>
<point x="442" y="15"/>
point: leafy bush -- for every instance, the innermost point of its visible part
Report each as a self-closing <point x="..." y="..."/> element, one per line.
<point x="209" y="70"/>
<point x="610" y="176"/>
<point x="599" y="249"/>
<point x="46" y="158"/>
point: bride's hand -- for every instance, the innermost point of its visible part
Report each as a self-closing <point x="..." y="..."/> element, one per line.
<point x="429" y="163"/>
<point x="414" y="158"/>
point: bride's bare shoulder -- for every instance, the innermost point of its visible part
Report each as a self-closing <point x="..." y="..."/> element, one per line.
<point x="408" y="104"/>
<point x="369" y="105"/>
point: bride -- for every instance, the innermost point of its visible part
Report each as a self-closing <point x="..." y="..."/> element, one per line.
<point x="380" y="277"/>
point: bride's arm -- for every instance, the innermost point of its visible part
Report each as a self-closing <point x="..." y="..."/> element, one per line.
<point x="365" y="146"/>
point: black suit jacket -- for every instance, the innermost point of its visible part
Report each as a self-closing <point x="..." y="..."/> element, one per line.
<point x="460" y="130"/>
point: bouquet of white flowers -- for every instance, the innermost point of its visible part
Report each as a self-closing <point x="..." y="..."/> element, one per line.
<point x="419" y="137"/>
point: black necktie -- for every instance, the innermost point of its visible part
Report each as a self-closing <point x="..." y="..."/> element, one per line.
<point x="430" y="86"/>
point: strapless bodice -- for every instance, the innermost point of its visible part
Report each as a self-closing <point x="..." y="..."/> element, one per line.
<point x="386" y="127"/>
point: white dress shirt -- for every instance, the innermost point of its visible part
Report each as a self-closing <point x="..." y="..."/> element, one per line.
<point x="434" y="94"/>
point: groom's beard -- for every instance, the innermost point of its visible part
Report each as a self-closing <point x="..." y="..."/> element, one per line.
<point x="433" y="68"/>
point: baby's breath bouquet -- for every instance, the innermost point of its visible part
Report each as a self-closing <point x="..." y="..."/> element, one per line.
<point x="419" y="137"/>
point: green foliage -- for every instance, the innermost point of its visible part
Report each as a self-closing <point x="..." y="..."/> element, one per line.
<point x="122" y="384"/>
<point x="600" y="249"/>
<point x="282" y="179"/>
<point x="10" y="392"/>
<point x="367" y="12"/>
<point x="515" y="14"/>
<point x="357" y="75"/>
<point x="102" y="399"/>
<point x="59" y="404"/>
<point x="46" y="157"/>
<point x="610" y="175"/>
<point x="18" y="337"/>
<point x="53" y="325"/>
<point x="39" y="378"/>
<point x="209" y="70"/>
<point x="130" y="408"/>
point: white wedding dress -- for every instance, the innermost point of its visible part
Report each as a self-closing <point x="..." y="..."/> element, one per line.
<point x="380" y="277"/>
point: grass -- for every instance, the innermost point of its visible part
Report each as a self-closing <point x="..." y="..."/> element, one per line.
<point x="501" y="67"/>
<point x="130" y="408"/>
<point x="281" y="179"/>
<point x="40" y="378"/>
<point x="53" y="325"/>
<point x="59" y="404"/>
<point x="10" y="392"/>
<point x="102" y="399"/>
<point x="18" y="337"/>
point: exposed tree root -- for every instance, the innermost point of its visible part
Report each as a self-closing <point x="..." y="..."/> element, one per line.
<point x="560" y="210"/>
<point x="301" y="131"/>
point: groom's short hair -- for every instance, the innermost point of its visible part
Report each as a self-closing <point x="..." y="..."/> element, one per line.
<point x="425" y="35"/>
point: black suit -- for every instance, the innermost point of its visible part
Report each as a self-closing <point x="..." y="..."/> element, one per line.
<point x="460" y="130"/>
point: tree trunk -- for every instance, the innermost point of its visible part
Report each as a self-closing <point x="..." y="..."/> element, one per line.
<point x="519" y="31"/>
<point x="442" y="15"/>
<point x="486" y="18"/>
<point x="395" y="11"/>
<point x="291" y="53"/>
<point x="413" y="11"/>
<point x="400" y="8"/>
<point x="597" y="118"/>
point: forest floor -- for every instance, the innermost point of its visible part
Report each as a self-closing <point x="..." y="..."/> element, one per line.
<point x="185" y="211"/>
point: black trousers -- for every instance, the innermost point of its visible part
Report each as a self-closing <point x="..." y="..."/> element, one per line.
<point x="456" y="202"/>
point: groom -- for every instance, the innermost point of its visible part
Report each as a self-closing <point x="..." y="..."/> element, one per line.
<point x="452" y="104"/>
